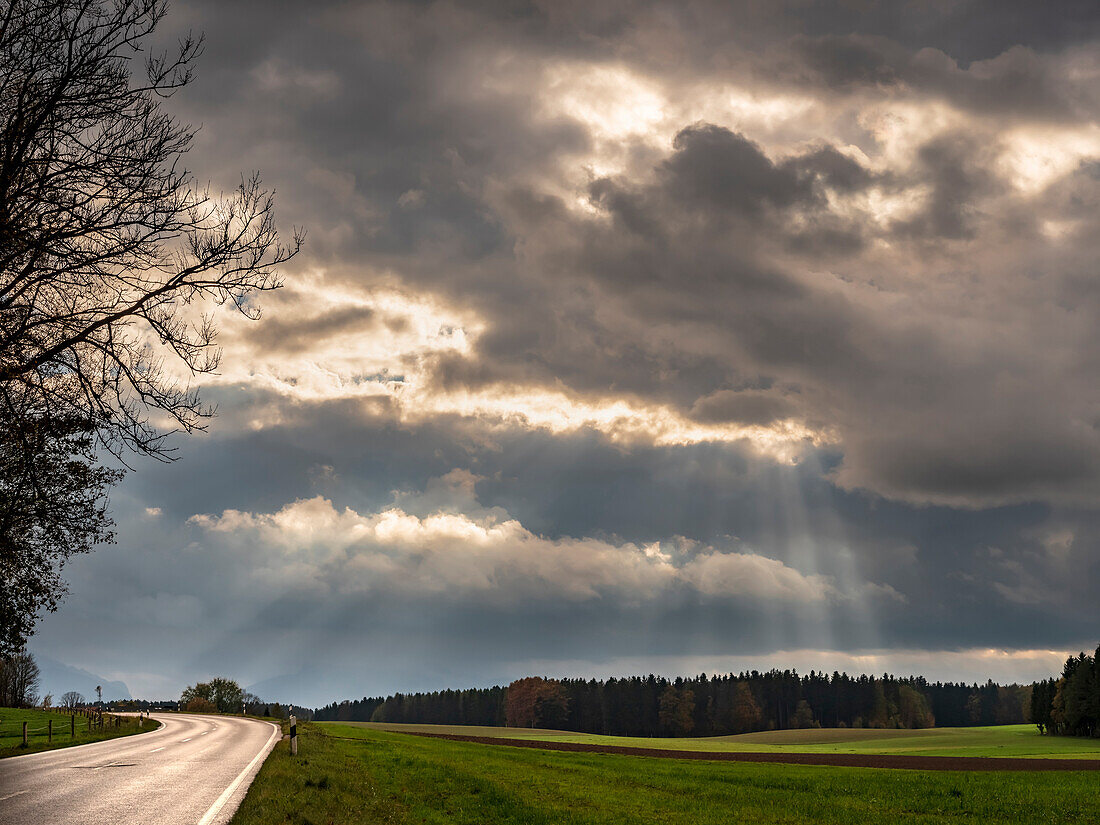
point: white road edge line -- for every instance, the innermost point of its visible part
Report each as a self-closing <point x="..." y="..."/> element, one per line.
<point x="9" y="796"/>
<point x="154" y="750"/>
<point x="188" y="739"/>
<point x="219" y="803"/>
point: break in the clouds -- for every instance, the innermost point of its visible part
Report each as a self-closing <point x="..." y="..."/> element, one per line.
<point x="680" y="329"/>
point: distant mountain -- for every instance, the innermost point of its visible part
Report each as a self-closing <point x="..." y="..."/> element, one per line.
<point x="56" y="678"/>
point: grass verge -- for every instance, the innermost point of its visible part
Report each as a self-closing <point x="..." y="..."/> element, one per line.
<point x="11" y="730"/>
<point x="374" y="776"/>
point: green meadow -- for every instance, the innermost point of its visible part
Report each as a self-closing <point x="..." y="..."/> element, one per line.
<point x="360" y="774"/>
<point x="1002" y="740"/>
<point x="11" y="730"/>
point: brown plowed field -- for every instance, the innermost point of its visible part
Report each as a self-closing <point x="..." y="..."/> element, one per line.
<point x="846" y="760"/>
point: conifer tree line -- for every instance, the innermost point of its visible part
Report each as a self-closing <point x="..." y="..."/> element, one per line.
<point x="703" y="705"/>
<point x="1070" y="704"/>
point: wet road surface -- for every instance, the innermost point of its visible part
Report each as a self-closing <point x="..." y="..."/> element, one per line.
<point x="194" y="770"/>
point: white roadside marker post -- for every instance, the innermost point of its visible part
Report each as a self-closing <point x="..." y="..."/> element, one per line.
<point x="293" y="736"/>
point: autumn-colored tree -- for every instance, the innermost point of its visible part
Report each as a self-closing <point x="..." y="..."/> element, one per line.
<point x="534" y="702"/>
<point x="519" y="704"/>
<point x="677" y="710"/>
<point x="200" y="705"/>
<point x="745" y="714"/>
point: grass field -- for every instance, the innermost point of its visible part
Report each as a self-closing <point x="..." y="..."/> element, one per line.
<point x="376" y="776"/>
<point x="1003" y="740"/>
<point x="11" y="730"/>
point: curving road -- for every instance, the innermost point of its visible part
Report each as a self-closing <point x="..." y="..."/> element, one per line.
<point x="193" y="770"/>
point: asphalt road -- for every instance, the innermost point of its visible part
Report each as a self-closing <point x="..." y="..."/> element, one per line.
<point x="194" y="770"/>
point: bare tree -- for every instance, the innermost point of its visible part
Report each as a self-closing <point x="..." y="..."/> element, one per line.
<point x="71" y="699"/>
<point x="112" y="261"/>
<point x="18" y="680"/>
<point x="110" y="255"/>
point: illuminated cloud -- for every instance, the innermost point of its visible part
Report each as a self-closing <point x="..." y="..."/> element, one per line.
<point x="385" y="346"/>
<point x="608" y="222"/>
<point x="311" y="545"/>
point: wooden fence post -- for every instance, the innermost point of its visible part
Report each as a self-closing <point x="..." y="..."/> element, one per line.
<point x="24" y="734"/>
<point x="49" y="730"/>
<point x="72" y="725"/>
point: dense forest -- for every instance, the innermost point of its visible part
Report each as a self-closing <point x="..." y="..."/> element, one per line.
<point x="1070" y="705"/>
<point x="703" y="705"/>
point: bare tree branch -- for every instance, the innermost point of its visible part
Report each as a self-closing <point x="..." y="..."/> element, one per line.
<point x="108" y="250"/>
<point x="110" y="260"/>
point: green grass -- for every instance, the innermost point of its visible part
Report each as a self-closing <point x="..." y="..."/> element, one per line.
<point x="379" y="776"/>
<point x="11" y="730"/>
<point x="1001" y="740"/>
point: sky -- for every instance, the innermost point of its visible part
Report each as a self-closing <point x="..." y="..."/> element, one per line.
<point x="631" y="337"/>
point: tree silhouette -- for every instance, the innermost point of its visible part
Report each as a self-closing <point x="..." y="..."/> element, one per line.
<point x="71" y="699"/>
<point x="108" y="250"/>
<point x="53" y="504"/>
<point x="111" y="261"/>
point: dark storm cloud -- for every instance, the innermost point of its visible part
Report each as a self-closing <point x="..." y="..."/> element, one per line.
<point x="966" y="29"/>
<point x="953" y="167"/>
<point x="832" y="169"/>
<point x="712" y="167"/>
<point x="407" y="148"/>
<point x="690" y="246"/>
<point x="747" y="406"/>
<point x="1017" y="82"/>
<point x="302" y="333"/>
